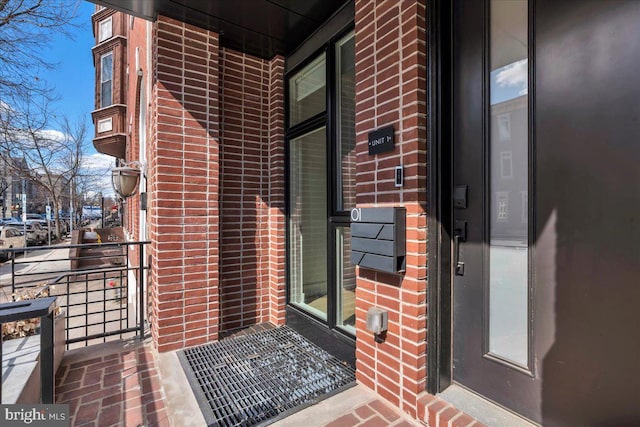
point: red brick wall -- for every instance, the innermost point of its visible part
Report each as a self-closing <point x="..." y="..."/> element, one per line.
<point x="391" y="90"/>
<point x="244" y="83"/>
<point x="251" y="189"/>
<point x="216" y="184"/>
<point x="184" y="183"/>
<point x="276" y="189"/>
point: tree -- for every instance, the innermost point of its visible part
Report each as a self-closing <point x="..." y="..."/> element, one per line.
<point x="26" y="27"/>
<point x="50" y="148"/>
<point x="51" y="159"/>
<point x="90" y="183"/>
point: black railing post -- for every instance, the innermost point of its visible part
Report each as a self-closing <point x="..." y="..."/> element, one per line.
<point x="47" y="372"/>
<point x="0" y="363"/>
<point x="13" y="276"/>
<point x="141" y="288"/>
<point x="68" y="313"/>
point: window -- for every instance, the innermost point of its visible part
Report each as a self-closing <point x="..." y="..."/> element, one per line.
<point x="322" y="166"/>
<point x="506" y="164"/>
<point x="502" y="198"/>
<point x="307" y="91"/>
<point x="525" y="206"/>
<point x="105" y="31"/>
<point x="504" y="127"/>
<point x="308" y="221"/>
<point x="106" y="80"/>
<point x="346" y="119"/>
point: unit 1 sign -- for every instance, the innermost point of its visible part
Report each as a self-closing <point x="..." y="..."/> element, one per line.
<point x="381" y="140"/>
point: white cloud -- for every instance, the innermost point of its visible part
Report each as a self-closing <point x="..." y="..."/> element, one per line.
<point x="53" y="135"/>
<point x="100" y="164"/>
<point x="515" y="74"/>
<point x="4" y="107"/>
<point x="99" y="161"/>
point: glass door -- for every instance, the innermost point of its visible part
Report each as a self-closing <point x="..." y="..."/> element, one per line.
<point x="308" y="222"/>
<point x="321" y="165"/>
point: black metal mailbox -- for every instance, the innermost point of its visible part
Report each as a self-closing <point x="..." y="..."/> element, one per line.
<point x="378" y="238"/>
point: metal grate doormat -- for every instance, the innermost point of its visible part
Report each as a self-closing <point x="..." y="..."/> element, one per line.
<point x="259" y="378"/>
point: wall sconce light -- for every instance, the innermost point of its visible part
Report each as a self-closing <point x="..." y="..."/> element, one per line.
<point x="377" y="322"/>
<point x="125" y="179"/>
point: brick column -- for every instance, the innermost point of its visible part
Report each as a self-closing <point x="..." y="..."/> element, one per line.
<point x="276" y="219"/>
<point x="391" y="90"/>
<point x="183" y="179"/>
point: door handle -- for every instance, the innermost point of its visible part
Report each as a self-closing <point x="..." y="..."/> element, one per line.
<point x="459" y="235"/>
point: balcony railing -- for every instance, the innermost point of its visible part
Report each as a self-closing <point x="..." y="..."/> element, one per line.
<point x="100" y="287"/>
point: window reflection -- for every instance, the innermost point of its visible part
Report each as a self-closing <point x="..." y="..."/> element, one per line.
<point x="508" y="245"/>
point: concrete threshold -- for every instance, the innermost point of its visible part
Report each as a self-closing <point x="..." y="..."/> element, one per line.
<point x="181" y="403"/>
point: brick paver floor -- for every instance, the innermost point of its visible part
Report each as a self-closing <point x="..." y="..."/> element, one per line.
<point x="119" y="384"/>
<point x="120" y="387"/>
<point x="372" y="414"/>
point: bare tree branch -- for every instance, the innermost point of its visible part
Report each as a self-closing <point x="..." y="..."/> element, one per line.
<point x="26" y="27"/>
<point x="51" y="151"/>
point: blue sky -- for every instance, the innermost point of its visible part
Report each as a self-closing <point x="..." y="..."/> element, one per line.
<point x="73" y="79"/>
<point x="73" y="76"/>
<point x="509" y="82"/>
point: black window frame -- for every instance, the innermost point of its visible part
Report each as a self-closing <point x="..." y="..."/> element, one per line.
<point x="335" y="218"/>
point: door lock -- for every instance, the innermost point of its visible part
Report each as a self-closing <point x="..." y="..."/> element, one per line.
<point x="460" y="196"/>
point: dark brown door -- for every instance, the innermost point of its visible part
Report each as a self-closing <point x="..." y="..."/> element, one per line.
<point x="546" y="148"/>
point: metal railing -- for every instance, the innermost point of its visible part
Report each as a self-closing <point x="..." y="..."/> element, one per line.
<point x="97" y="286"/>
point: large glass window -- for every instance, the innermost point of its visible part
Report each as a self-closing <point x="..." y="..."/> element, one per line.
<point x="508" y="246"/>
<point x="106" y="80"/>
<point x="308" y="222"/>
<point x="345" y="281"/>
<point x="346" y="118"/>
<point x="322" y="280"/>
<point x="307" y="91"/>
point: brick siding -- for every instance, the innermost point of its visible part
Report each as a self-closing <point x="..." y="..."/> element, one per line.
<point x="216" y="173"/>
<point x="184" y="180"/>
<point x="276" y="189"/>
<point x="247" y="187"/>
<point x="390" y="90"/>
<point x="216" y="170"/>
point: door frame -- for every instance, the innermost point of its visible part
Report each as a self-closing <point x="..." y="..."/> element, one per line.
<point x="439" y="197"/>
<point x="324" y="333"/>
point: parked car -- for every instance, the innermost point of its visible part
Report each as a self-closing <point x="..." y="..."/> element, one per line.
<point x="45" y="226"/>
<point x="35" y="233"/>
<point x="10" y="237"/>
